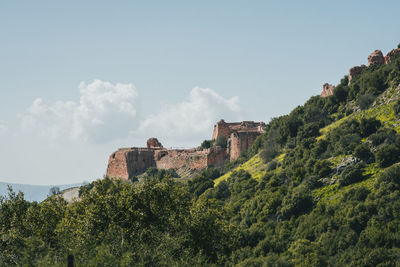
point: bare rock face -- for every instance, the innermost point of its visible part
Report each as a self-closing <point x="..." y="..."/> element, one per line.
<point x="153" y="143"/>
<point x="327" y="90"/>
<point x="355" y="71"/>
<point x="376" y="58"/>
<point x="391" y="55"/>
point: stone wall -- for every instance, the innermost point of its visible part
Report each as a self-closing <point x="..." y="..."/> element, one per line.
<point x="375" y="58"/>
<point x="128" y="162"/>
<point x="192" y="159"/>
<point x="327" y="90"/>
<point x="240" y="142"/>
<point x="221" y="129"/>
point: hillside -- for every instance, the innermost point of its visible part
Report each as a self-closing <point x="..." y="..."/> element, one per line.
<point x="320" y="187"/>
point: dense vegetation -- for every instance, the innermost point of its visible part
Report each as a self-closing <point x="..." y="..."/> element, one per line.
<point x="321" y="187"/>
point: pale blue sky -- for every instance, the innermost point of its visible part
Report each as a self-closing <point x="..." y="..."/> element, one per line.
<point x="259" y="59"/>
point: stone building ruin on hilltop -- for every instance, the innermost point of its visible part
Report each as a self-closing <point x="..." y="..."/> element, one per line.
<point x="128" y="162"/>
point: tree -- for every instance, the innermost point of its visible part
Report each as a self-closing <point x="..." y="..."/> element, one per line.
<point x="387" y="155"/>
<point x="363" y="152"/>
<point x="207" y="144"/>
<point x="55" y="190"/>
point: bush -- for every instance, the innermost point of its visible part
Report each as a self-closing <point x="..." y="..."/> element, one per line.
<point x="296" y="203"/>
<point x="207" y="144"/>
<point x="396" y="108"/>
<point x="383" y="136"/>
<point x="272" y="165"/>
<point x="369" y="126"/>
<point x="351" y="174"/>
<point x="365" y="101"/>
<point x="391" y="175"/>
<point x="348" y="142"/>
<point x="322" y="168"/>
<point x="387" y="155"/>
<point x="363" y="152"/>
<point x="55" y="190"/>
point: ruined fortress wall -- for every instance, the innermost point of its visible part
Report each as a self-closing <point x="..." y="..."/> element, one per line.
<point x="128" y="162"/>
<point x="216" y="156"/>
<point x="139" y="160"/>
<point x="240" y="142"/>
<point x="221" y="129"/>
<point x="117" y="165"/>
<point x="192" y="159"/>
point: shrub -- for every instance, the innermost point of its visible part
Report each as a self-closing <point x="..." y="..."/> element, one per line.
<point x="369" y="126"/>
<point x="322" y="168"/>
<point x="351" y="174"/>
<point x="55" y="190"/>
<point x="365" y="101"/>
<point x="383" y="135"/>
<point x="312" y="182"/>
<point x="348" y="142"/>
<point x="296" y="203"/>
<point x="363" y="152"/>
<point x="391" y="175"/>
<point x="207" y="144"/>
<point x="396" y="107"/>
<point x="387" y="155"/>
<point x="272" y="165"/>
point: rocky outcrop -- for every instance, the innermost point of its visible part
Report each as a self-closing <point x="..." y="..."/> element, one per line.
<point x="327" y="90"/>
<point x="128" y="162"/>
<point x="391" y="55"/>
<point x="355" y="71"/>
<point x="376" y="58"/>
<point x="153" y="143"/>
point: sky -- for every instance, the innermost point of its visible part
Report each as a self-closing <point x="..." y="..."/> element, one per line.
<point x="80" y="79"/>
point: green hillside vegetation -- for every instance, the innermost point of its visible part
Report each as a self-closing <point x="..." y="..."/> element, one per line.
<point x="321" y="187"/>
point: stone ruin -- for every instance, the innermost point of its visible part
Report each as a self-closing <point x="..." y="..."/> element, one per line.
<point x="327" y="90"/>
<point x="128" y="162"/>
<point x="375" y="58"/>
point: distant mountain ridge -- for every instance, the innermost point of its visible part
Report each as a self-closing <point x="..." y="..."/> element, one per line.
<point x="32" y="192"/>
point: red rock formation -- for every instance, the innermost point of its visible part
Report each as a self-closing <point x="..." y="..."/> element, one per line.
<point x="355" y="71"/>
<point x="391" y="55"/>
<point x="327" y="90"/>
<point x="153" y="143"/>
<point x="376" y="58"/>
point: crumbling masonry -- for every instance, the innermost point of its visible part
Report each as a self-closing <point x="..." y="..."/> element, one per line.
<point x="128" y="162"/>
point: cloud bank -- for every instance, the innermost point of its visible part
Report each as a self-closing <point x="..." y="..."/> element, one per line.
<point x="102" y="108"/>
<point x="3" y="127"/>
<point x="193" y="117"/>
<point x="106" y="111"/>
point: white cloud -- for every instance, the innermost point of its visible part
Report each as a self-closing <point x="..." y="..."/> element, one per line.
<point x="191" y="119"/>
<point x="3" y="127"/>
<point x="104" y="111"/>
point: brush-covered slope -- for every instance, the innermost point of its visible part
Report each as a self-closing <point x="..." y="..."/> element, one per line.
<point x="321" y="187"/>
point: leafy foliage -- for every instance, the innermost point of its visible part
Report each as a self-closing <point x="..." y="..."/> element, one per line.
<point x="321" y="187"/>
